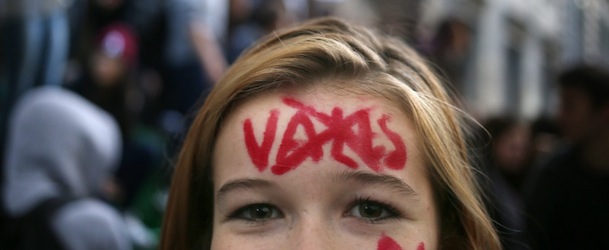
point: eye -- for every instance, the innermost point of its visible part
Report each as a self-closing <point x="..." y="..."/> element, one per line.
<point x="372" y="211"/>
<point x="257" y="212"/>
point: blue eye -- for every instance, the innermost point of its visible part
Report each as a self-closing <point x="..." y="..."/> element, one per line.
<point x="257" y="213"/>
<point x="372" y="211"/>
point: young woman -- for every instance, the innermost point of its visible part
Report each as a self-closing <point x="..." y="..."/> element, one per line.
<point x="327" y="136"/>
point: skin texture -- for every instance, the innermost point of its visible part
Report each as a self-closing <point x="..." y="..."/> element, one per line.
<point x="320" y="202"/>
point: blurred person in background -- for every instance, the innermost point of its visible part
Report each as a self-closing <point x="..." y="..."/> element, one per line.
<point x="449" y="50"/>
<point x="193" y="56"/>
<point x="546" y="139"/>
<point x="507" y="165"/>
<point x="568" y="205"/>
<point x="61" y="154"/>
<point x="109" y="72"/>
<point x="89" y="17"/>
<point x="251" y="20"/>
<point x="101" y="13"/>
<point x="34" y="37"/>
<point x="297" y="10"/>
<point x="109" y="82"/>
<point x="112" y="79"/>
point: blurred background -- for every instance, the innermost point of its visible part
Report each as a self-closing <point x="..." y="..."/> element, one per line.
<point x="149" y="65"/>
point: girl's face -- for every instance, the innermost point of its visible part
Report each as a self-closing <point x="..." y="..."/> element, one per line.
<point x="321" y="170"/>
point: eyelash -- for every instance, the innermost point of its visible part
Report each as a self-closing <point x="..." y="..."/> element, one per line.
<point x="392" y="213"/>
<point x="238" y="214"/>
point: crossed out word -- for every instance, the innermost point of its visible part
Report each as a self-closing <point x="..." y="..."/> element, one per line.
<point x="340" y="131"/>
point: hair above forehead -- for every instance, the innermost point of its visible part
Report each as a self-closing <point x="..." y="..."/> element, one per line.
<point x="329" y="49"/>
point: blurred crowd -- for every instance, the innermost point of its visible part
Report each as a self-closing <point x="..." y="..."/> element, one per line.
<point x="95" y="96"/>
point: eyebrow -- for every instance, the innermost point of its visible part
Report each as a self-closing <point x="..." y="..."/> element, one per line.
<point x="364" y="178"/>
<point x="359" y="177"/>
<point x="241" y="184"/>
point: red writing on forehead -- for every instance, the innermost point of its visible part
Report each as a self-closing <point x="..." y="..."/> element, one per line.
<point x="340" y="131"/>
<point x="260" y="153"/>
<point x="387" y="243"/>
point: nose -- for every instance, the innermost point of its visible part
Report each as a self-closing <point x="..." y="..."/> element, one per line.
<point x="313" y="234"/>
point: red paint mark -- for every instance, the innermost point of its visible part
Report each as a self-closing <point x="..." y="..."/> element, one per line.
<point x="353" y="131"/>
<point x="397" y="158"/>
<point x="260" y="153"/>
<point x="421" y="246"/>
<point x="387" y="243"/>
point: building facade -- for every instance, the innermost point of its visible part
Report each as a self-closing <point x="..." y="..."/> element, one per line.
<point x="518" y="46"/>
<point x="513" y="51"/>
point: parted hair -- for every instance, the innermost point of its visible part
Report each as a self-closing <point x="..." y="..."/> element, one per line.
<point x="332" y="52"/>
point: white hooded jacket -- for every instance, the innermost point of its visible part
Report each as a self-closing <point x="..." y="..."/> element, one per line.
<point x="60" y="144"/>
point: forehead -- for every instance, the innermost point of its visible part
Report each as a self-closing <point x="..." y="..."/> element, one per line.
<point x="277" y="132"/>
<point x="323" y="99"/>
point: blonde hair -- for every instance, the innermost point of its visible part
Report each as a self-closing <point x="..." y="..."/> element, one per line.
<point x="316" y="53"/>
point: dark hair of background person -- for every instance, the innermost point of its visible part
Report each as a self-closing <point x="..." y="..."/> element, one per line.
<point x="593" y="80"/>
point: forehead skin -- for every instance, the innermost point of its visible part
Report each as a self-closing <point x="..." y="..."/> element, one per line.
<point x="313" y="181"/>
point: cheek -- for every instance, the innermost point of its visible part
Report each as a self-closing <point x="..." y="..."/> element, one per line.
<point x="388" y="243"/>
<point x="224" y="240"/>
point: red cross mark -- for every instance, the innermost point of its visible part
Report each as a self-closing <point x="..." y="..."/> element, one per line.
<point x="353" y="131"/>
